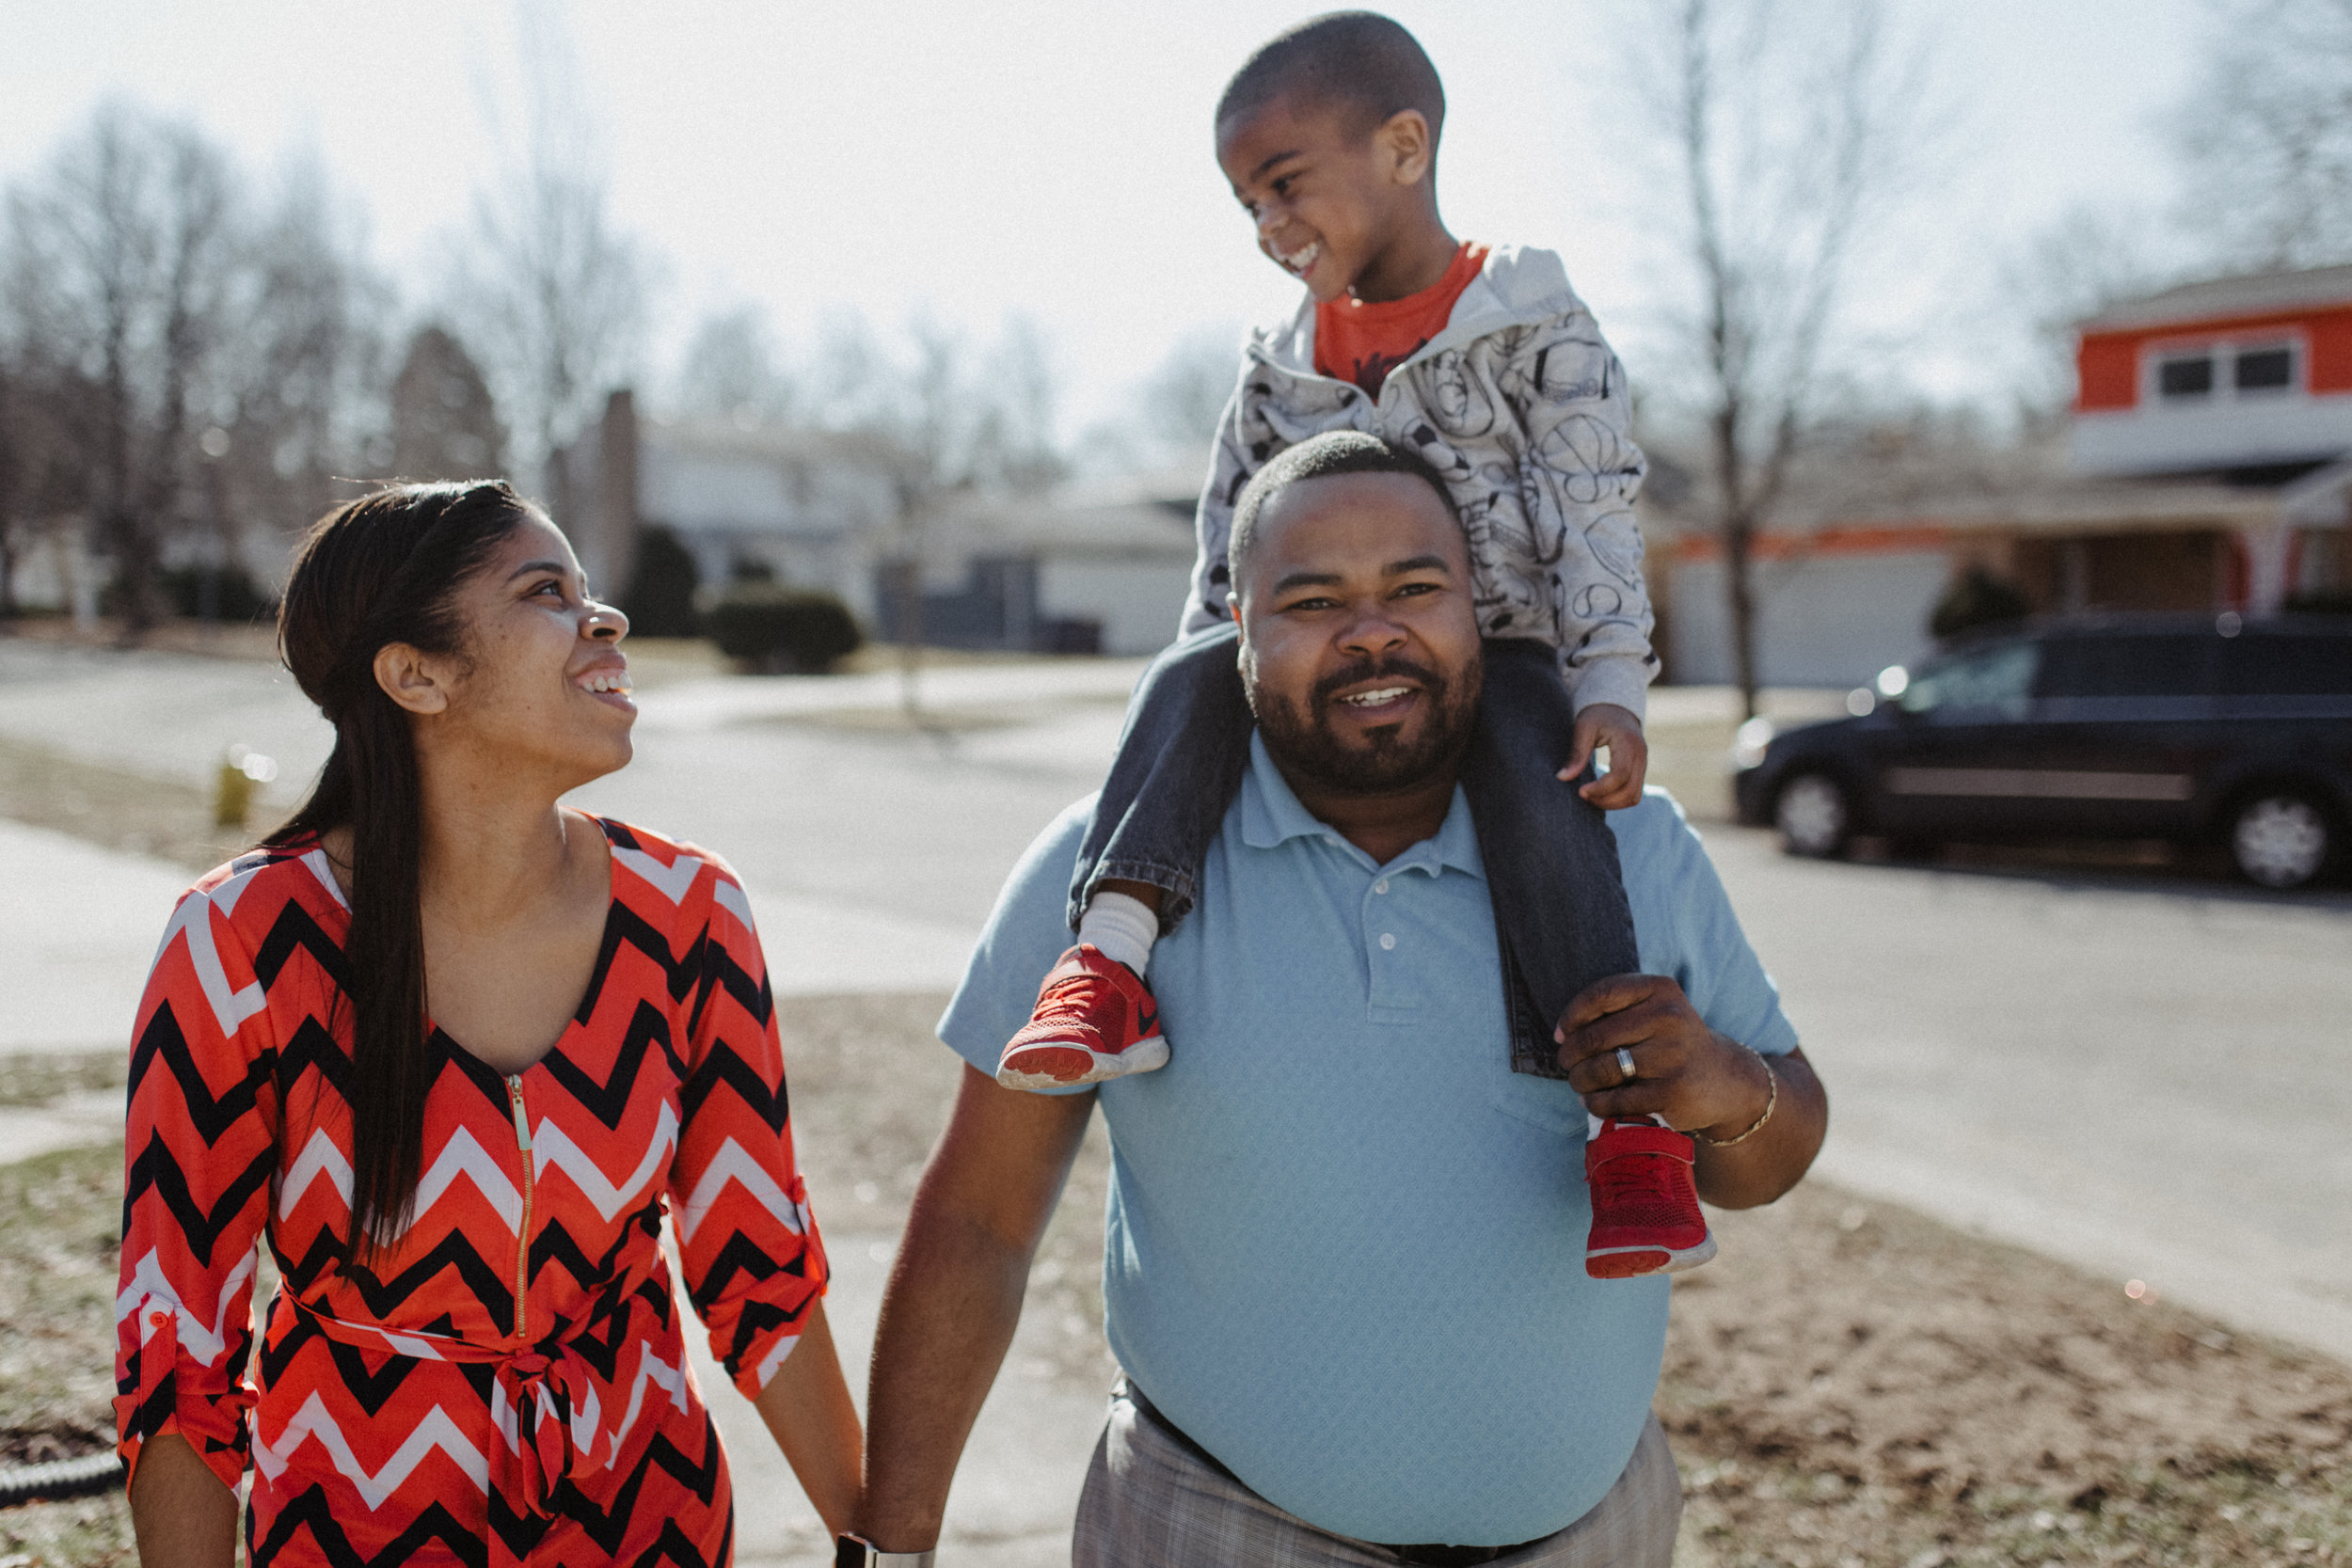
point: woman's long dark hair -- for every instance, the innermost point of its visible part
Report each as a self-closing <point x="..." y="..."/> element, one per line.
<point x="382" y="569"/>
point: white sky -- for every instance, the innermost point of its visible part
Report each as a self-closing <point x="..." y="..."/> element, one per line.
<point x="1052" y="156"/>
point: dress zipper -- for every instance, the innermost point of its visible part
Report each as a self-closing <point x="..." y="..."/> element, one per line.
<point x="522" y="1241"/>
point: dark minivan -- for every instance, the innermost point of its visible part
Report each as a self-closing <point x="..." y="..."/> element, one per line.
<point x="2215" y="729"/>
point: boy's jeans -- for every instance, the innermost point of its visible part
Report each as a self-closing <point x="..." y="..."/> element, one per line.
<point x="1560" y="917"/>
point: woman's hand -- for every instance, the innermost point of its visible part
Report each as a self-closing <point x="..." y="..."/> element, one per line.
<point x="184" y="1516"/>
<point x="806" y="1406"/>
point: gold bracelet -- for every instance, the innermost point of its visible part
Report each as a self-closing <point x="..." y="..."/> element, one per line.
<point x="1772" y="1099"/>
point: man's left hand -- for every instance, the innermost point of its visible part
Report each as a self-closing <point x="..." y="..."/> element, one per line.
<point x="1684" y="1072"/>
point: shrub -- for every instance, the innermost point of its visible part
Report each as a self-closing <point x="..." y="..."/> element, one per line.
<point x="661" y="598"/>
<point x="776" y="629"/>
<point x="215" y="594"/>
<point x="1978" y="599"/>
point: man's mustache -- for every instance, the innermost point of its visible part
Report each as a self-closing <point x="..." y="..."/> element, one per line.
<point x="1373" y="670"/>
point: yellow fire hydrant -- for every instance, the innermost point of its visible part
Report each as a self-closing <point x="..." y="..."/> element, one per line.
<point x="242" y="772"/>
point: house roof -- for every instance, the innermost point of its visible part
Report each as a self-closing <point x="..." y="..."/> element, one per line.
<point x="2251" y="294"/>
<point x="1069" y="526"/>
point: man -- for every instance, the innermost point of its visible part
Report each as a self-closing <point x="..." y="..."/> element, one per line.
<point x="1345" y="1272"/>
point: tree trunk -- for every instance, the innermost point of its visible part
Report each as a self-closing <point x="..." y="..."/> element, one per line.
<point x="1740" y="588"/>
<point x="1737" y="525"/>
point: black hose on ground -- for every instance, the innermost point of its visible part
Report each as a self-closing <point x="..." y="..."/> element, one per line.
<point x="83" y="1477"/>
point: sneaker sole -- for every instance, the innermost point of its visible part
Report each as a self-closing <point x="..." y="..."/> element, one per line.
<point x="1069" y="1067"/>
<point x="1633" y="1263"/>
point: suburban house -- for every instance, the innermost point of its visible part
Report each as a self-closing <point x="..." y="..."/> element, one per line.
<point x="1100" y="569"/>
<point x="1075" y="570"/>
<point x="2206" y="463"/>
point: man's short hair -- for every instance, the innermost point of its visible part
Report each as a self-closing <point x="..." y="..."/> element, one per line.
<point x="1324" y="456"/>
<point x="1359" y="62"/>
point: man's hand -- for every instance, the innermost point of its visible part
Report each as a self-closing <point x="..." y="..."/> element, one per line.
<point x="1695" y="1081"/>
<point x="955" y="1295"/>
<point x="1607" y="724"/>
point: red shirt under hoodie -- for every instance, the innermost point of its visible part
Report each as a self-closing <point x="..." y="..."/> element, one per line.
<point x="1362" y="340"/>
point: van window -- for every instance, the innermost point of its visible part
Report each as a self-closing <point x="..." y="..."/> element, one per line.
<point x="2141" y="665"/>
<point x="1991" y="684"/>
<point x="2282" y="664"/>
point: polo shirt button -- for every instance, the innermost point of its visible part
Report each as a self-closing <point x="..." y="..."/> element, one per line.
<point x="1380" y="886"/>
<point x="1387" y="940"/>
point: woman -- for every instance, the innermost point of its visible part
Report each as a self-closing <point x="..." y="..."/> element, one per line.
<point x="451" y="1046"/>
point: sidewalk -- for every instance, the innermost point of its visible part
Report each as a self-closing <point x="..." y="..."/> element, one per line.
<point x="79" y="926"/>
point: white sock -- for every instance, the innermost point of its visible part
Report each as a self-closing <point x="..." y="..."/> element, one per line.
<point x="1124" y="928"/>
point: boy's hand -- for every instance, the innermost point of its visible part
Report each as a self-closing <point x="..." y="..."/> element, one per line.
<point x="1607" y="724"/>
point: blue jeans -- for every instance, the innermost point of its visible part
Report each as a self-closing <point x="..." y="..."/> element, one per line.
<point x="1560" y="917"/>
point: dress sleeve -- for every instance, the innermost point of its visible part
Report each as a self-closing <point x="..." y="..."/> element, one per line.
<point x="753" y="1260"/>
<point x="200" y="1146"/>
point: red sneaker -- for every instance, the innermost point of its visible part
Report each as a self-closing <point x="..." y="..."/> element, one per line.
<point x="1095" y="1018"/>
<point x="1646" y="1212"/>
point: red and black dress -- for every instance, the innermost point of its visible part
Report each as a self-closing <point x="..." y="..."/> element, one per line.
<point x="509" y="1382"/>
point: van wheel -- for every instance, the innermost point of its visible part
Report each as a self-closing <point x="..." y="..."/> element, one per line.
<point x="2280" y="839"/>
<point x="1813" y="815"/>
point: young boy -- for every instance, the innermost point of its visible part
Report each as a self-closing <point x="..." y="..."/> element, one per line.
<point x="1483" y="361"/>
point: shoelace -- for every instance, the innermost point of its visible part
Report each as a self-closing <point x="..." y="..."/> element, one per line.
<point x="1063" y="1002"/>
<point x="1636" y="1177"/>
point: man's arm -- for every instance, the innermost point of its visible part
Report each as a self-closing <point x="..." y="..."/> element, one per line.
<point x="1699" y="1082"/>
<point x="955" y="1295"/>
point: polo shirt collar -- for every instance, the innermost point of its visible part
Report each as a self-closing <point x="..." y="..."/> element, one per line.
<point x="1271" y="816"/>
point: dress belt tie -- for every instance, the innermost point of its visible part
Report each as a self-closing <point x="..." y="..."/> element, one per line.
<point x="541" y="1386"/>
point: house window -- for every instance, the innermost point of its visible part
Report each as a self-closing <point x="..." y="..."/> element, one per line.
<point x="2267" y="369"/>
<point x="2184" y="376"/>
<point x="2200" y="372"/>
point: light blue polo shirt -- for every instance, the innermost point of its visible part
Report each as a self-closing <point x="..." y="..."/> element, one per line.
<point x="1346" y="1246"/>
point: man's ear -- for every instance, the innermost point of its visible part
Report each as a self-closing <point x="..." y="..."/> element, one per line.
<point x="412" y="678"/>
<point x="1405" y="136"/>
<point x="1232" y="606"/>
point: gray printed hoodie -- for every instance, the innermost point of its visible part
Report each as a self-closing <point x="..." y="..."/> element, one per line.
<point x="1520" y="406"/>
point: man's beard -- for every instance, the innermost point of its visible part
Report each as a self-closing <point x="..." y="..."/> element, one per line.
<point x="1303" y="742"/>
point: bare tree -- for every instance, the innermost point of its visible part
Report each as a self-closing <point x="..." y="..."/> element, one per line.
<point x="1187" y="394"/>
<point x="296" y="393"/>
<point x="120" y="259"/>
<point x="2088" y="259"/>
<point x="1012" y="440"/>
<point x="1788" y="146"/>
<point x="733" y="370"/>
<point x="20" y="414"/>
<point x="2266" y="143"/>
<point x="941" y="419"/>
<point x="552" y="291"/>
<point x="183" y="360"/>
<point x="444" y="423"/>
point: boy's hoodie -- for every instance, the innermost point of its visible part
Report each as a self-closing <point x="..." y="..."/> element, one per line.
<point x="1520" y="406"/>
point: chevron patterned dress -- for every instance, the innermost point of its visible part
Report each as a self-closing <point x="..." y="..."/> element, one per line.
<point x="509" y="1383"/>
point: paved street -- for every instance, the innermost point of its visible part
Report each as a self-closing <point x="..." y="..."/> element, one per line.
<point x="2151" y="1077"/>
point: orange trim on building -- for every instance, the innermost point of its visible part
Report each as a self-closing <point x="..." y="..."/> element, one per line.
<point x="1876" y="539"/>
<point x="2107" y="364"/>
